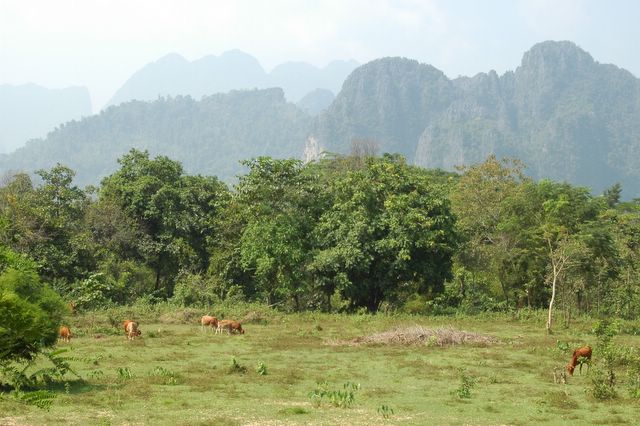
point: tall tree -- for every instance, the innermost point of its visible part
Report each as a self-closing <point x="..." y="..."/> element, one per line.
<point x="173" y="212"/>
<point x="481" y="202"/>
<point x="388" y="230"/>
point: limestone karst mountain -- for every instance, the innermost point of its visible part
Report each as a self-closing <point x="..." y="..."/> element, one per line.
<point x="565" y="115"/>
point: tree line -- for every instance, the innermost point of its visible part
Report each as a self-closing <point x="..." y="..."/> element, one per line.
<point x="347" y="233"/>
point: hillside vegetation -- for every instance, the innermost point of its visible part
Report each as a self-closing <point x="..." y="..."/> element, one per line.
<point x="208" y="136"/>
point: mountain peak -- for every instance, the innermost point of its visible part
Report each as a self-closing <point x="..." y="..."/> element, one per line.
<point x="561" y="55"/>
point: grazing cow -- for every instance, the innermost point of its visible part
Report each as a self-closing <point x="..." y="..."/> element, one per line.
<point x="131" y="329"/>
<point x="230" y="326"/>
<point x="210" y="321"/>
<point x="65" y="333"/>
<point x="580" y="356"/>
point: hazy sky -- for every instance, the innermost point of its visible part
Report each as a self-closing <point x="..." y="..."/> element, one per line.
<point x="100" y="43"/>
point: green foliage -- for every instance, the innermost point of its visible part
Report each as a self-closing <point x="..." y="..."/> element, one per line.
<point x="173" y="213"/>
<point x="16" y="376"/>
<point x="385" y="411"/>
<point x="45" y="223"/>
<point x="388" y="230"/>
<point x="236" y="367"/>
<point x="342" y="398"/>
<point x="31" y="312"/>
<point x="40" y="398"/>
<point x="195" y="290"/>
<point x="603" y="384"/>
<point x="467" y="383"/>
<point x="261" y="369"/>
<point x="633" y="379"/>
<point x="124" y="373"/>
<point x="169" y="377"/>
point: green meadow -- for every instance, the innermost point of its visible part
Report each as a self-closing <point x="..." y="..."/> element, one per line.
<point x="299" y="369"/>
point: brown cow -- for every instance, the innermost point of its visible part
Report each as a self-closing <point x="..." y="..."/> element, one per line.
<point x="230" y="326"/>
<point x="65" y="333"/>
<point x="131" y="329"/>
<point x="208" y="320"/>
<point x="580" y="356"/>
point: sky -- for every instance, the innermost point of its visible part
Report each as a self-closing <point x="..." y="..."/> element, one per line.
<point x="101" y="43"/>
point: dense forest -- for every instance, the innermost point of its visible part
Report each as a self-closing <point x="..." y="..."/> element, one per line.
<point x="344" y="233"/>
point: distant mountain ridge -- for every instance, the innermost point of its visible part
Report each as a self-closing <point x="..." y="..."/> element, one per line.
<point x="29" y="111"/>
<point x="568" y="117"/>
<point x="173" y="75"/>
<point x="208" y="136"/>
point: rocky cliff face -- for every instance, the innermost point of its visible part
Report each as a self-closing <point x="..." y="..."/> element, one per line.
<point x="564" y="114"/>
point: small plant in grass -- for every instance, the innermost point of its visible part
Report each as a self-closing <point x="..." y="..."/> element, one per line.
<point x="236" y="367"/>
<point x="633" y="381"/>
<point x="385" y="411"/>
<point x="562" y="346"/>
<point x="603" y="384"/>
<point x="96" y="374"/>
<point x="125" y="373"/>
<point x="261" y="369"/>
<point x="342" y="398"/>
<point x="466" y="385"/>
<point x="170" y="376"/>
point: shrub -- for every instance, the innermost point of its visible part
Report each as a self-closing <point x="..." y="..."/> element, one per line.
<point x="342" y="398"/>
<point x="170" y="378"/>
<point x="236" y="367"/>
<point x="194" y="290"/>
<point x="603" y="384"/>
<point x="633" y="381"/>
<point x="31" y="313"/>
<point x="466" y="385"/>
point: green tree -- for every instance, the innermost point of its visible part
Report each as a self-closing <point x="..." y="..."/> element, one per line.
<point x="482" y="201"/>
<point x="46" y="223"/>
<point x="277" y="203"/>
<point x="388" y="231"/>
<point x="174" y="214"/>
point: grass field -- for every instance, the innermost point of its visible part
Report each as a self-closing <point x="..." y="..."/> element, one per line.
<point x="176" y="374"/>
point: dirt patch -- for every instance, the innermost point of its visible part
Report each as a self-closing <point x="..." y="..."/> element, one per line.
<point x="418" y="335"/>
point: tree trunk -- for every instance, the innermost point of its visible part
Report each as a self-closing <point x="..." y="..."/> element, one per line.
<point x="553" y="298"/>
<point x="157" y="286"/>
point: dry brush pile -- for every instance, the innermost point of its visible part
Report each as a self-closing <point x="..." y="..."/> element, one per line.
<point x="417" y="335"/>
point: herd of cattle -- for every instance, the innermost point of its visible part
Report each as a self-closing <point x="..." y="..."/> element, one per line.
<point x="132" y="329"/>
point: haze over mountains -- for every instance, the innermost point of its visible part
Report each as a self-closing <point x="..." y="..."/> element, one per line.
<point x="173" y="75"/>
<point x="565" y="115"/>
<point x="30" y="111"/>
